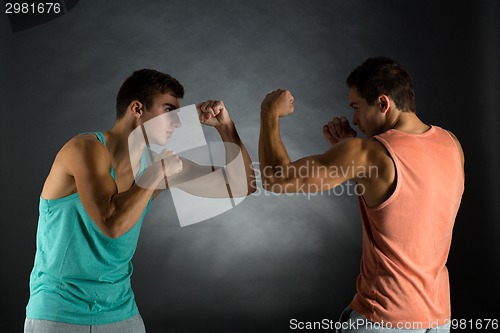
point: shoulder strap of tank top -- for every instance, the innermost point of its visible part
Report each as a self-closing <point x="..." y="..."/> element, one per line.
<point x="101" y="139"/>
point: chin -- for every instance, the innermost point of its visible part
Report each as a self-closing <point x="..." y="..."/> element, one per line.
<point x="370" y="134"/>
<point x="373" y="134"/>
<point x="159" y="142"/>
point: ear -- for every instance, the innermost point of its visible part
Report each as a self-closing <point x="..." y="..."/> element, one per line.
<point x="136" y="109"/>
<point x="384" y="102"/>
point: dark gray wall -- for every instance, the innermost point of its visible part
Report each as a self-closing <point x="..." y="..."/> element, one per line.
<point x="272" y="258"/>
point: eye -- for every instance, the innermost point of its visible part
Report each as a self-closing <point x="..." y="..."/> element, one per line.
<point x="168" y="109"/>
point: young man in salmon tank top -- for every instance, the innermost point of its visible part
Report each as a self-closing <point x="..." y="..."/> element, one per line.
<point x="93" y="204"/>
<point x="409" y="178"/>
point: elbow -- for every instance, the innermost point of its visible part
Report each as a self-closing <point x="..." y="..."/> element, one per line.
<point x="273" y="185"/>
<point x="250" y="190"/>
<point x="241" y="191"/>
<point x="274" y="181"/>
<point x="280" y="185"/>
<point x="108" y="225"/>
<point x="252" y="186"/>
<point x="240" y="187"/>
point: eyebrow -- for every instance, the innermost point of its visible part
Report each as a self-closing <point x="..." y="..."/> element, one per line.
<point x="171" y="105"/>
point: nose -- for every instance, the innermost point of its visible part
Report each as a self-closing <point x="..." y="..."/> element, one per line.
<point x="355" y="120"/>
<point x="175" y="121"/>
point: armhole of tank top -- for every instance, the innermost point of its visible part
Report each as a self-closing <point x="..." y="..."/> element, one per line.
<point x="457" y="150"/>
<point x="397" y="168"/>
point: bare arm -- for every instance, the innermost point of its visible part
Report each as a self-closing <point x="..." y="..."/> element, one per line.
<point x="312" y="173"/>
<point x="88" y="162"/>
<point x="239" y="186"/>
<point x="240" y="177"/>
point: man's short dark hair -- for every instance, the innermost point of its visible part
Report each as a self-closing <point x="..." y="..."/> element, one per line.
<point x="144" y="85"/>
<point x="383" y="76"/>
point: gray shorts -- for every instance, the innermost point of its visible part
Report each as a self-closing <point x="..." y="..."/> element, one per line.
<point x="353" y="322"/>
<point x="132" y="325"/>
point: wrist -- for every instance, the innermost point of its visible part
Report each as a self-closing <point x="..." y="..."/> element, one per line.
<point x="151" y="177"/>
<point x="227" y="127"/>
<point x="269" y="117"/>
<point x="269" y="112"/>
<point x="227" y="132"/>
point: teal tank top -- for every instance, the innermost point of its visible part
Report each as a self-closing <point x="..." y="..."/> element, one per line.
<point x="80" y="276"/>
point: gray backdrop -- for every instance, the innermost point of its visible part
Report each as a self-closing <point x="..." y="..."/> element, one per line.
<point x="273" y="258"/>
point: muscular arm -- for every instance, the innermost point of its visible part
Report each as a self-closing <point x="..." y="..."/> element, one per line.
<point x="240" y="177"/>
<point x="88" y="162"/>
<point x="239" y="186"/>
<point x="361" y="160"/>
<point x="313" y="173"/>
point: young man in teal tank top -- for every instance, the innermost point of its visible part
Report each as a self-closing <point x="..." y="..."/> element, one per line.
<point x="92" y="207"/>
<point x="409" y="180"/>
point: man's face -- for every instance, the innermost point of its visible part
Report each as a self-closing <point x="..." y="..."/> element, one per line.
<point x="161" y="119"/>
<point x="369" y="119"/>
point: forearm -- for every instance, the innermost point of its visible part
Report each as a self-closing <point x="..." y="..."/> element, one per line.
<point x="234" y="146"/>
<point x="308" y="174"/>
<point x="125" y="208"/>
<point x="273" y="156"/>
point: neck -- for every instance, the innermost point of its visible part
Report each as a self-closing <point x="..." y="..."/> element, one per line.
<point x="117" y="142"/>
<point x="406" y="122"/>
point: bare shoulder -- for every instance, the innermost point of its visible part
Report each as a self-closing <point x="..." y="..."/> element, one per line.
<point x="365" y="151"/>
<point x="84" y="150"/>
<point x="83" y="153"/>
<point x="83" y="140"/>
<point x="380" y="176"/>
<point x="372" y="156"/>
<point x="379" y="157"/>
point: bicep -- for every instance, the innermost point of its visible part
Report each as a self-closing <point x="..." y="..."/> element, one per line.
<point x="320" y="172"/>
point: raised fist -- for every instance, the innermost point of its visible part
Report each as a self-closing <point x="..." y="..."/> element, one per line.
<point x="213" y="113"/>
<point x="279" y="102"/>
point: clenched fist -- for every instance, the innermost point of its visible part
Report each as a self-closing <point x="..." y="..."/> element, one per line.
<point x="213" y="113"/>
<point x="279" y="102"/>
<point x="338" y="130"/>
<point x="164" y="164"/>
<point x="170" y="162"/>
